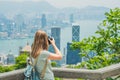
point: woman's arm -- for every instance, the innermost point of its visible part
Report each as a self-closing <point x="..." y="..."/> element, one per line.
<point x="57" y="55"/>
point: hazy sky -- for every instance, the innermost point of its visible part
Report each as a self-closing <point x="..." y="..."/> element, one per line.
<point x="78" y="3"/>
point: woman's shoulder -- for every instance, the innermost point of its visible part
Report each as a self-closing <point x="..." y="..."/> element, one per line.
<point x="44" y="53"/>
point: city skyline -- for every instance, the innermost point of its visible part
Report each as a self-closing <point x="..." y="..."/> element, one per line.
<point x="76" y="3"/>
<point x="18" y="25"/>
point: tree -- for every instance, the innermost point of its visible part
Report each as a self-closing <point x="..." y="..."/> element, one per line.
<point x="6" y="68"/>
<point x="106" y="47"/>
<point x="54" y="64"/>
<point x="21" y="61"/>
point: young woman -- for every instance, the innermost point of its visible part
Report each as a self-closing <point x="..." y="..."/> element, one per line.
<point x="40" y="51"/>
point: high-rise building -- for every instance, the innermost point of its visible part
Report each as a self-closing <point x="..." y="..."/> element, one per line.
<point x="19" y="21"/>
<point x="56" y="33"/>
<point x="71" y="18"/>
<point x="43" y="21"/>
<point x="73" y="56"/>
<point x="10" y="59"/>
<point x="75" y="32"/>
<point x="11" y="30"/>
<point x="1" y="27"/>
<point x="1" y="59"/>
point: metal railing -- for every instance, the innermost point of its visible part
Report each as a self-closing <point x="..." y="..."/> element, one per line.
<point x="98" y="74"/>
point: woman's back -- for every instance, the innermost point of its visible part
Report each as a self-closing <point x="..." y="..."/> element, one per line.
<point x="40" y="51"/>
<point x="41" y="64"/>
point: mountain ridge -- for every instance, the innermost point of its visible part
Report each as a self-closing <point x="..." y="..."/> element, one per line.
<point x="29" y="6"/>
<point x="32" y="8"/>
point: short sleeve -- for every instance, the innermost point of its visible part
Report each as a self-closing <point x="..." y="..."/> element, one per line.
<point x="44" y="54"/>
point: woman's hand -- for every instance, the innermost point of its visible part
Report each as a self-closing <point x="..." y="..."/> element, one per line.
<point x="52" y="41"/>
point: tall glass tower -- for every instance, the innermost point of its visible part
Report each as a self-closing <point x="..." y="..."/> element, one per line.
<point x="55" y="33"/>
<point x="73" y="56"/>
<point x="75" y="32"/>
<point x="71" y="18"/>
<point x="43" y="21"/>
<point x="19" y="21"/>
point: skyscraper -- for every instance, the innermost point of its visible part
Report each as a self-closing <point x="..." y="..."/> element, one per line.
<point x="75" y="32"/>
<point x="55" y="33"/>
<point x="19" y="21"/>
<point x="43" y="21"/>
<point x="73" y="56"/>
<point x="10" y="59"/>
<point x="71" y="18"/>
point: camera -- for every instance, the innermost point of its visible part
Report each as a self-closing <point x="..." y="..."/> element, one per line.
<point x="49" y="38"/>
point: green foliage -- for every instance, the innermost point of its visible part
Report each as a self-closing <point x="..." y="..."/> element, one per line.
<point x="106" y="47"/>
<point x="58" y="78"/>
<point x="6" y="68"/>
<point x="21" y="61"/>
<point x="54" y="64"/>
<point x="80" y="79"/>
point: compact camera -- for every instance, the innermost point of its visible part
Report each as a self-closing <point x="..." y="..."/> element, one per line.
<point x="49" y="38"/>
